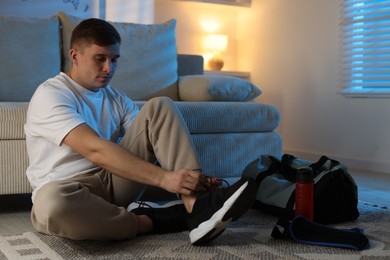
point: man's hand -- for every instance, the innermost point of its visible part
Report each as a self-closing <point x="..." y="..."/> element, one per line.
<point x="187" y="182"/>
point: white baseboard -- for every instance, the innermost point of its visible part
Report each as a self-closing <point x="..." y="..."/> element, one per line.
<point x="351" y="163"/>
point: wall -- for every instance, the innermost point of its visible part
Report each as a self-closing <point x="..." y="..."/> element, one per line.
<point x="135" y="11"/>
<point x="190" y="28"/>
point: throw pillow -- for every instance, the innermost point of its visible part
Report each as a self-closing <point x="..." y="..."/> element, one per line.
<point x="216" y="88"/>
<point x="148" y="64"/>
<point x="30" y="54"/>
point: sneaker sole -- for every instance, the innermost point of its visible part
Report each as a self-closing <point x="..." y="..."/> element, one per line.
<point x="212" y="228"/>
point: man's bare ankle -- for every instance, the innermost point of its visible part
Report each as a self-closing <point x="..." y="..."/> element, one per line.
<point x="188" y="202"/>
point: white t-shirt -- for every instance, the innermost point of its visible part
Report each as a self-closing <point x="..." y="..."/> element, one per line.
<point x="57" y="107"/>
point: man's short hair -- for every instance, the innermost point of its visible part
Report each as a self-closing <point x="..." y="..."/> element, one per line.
<point x="94" y="31"/>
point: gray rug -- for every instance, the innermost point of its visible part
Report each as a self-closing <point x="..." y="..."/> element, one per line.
<point x="248" y="238"/>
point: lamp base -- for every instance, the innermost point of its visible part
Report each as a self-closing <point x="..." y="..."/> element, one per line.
<point x="216" y="63"/>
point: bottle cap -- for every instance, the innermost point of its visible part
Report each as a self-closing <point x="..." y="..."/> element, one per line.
<point x="305" y="174"/>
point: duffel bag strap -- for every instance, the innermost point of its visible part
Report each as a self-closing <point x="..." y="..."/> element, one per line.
<point x="304" y="231"/>
<point x="321" y="164"/>
<point x="288" y="172"/>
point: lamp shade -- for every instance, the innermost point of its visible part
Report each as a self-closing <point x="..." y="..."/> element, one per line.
<point x="216" y="43"/>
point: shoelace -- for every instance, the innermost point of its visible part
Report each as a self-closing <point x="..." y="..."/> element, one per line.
<point x="219" y="180"/>
<point x="224" y="181"/>
<point x="214" y="188"/>
<point x="142" y="203"/>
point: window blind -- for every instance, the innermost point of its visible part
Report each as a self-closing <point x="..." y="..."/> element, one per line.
<point x="366" y="47"/>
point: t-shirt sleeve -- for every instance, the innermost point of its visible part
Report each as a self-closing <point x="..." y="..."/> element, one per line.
<point x="128" y="109"/>
<point x="52" y="114"/>
<point x="130" y="112"/>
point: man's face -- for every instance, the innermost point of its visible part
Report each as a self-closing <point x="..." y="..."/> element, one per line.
<point x="94" y="65"/>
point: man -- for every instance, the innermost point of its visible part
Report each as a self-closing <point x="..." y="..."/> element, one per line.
<point x="92" y="151"/>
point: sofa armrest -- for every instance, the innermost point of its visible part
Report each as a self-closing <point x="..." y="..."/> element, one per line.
<point x="188" y="64"/>
<point x="12" y="120"/>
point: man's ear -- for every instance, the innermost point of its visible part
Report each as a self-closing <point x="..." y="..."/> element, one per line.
<point x="73" y="54"/>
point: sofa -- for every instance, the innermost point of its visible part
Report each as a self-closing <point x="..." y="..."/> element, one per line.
<point x="229" y="129"/>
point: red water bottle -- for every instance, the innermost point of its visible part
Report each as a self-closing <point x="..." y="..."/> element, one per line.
<point x="304" y="193"/>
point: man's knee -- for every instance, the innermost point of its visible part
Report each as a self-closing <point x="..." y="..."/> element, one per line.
<point x="159" y="102"/>
<point x="52" y="202"/>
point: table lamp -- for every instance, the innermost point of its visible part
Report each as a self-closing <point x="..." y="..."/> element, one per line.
<point x="216" y="44"/>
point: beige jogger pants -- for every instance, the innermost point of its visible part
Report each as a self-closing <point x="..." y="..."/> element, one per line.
<point x="93" y="206"/>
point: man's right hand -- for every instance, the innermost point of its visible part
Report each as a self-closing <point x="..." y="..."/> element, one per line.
<point x="185" y="182"/>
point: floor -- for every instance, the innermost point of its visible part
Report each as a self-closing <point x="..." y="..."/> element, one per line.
<point x="373" y="188"/>
<point x="14" y="214"/>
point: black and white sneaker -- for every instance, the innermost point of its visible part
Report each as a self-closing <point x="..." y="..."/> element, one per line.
<point x="213" y="210"/>
<point x="167" y="218"/>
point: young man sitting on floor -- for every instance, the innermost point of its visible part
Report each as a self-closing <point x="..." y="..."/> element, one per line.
<point x="92" y="152"/>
